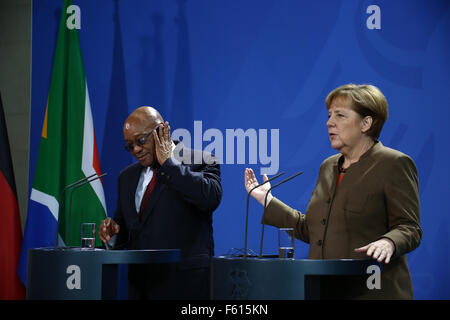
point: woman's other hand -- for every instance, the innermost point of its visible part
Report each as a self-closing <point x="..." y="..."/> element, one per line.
<point x="381" y="250"/>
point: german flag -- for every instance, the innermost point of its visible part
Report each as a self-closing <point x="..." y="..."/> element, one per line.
<point x="11" y="288"/>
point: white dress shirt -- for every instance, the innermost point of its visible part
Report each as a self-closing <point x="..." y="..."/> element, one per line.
<point x="144" y="180"/>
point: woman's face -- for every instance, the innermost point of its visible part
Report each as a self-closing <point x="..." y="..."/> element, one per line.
<point x="345" y="126"/>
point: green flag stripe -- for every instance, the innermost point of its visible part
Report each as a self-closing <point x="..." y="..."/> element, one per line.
<point x="61" y="152"/>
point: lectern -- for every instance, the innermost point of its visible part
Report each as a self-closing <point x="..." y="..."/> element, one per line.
<point x="281" y="279"/>
<point x="80" y="274"/>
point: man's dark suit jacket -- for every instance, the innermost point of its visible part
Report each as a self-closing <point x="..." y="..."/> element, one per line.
<point x="178" y="216"/>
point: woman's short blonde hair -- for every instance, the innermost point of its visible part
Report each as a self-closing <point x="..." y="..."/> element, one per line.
<point x="367" y="100"/>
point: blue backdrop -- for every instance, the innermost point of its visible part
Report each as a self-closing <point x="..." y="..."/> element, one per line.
<point x="266" y="64"/>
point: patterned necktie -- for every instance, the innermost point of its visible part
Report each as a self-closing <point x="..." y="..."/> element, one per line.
<point x="146" y="197"/>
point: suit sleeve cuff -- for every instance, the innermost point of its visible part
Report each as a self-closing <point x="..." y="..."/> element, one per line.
<point x="391" y="235"/>
<point x="279" y="215"/>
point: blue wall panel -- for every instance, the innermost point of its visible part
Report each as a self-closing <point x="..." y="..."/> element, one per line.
<point x="266" y="64"/>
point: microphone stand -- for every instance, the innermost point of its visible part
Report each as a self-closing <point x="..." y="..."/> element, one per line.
<point x="70" y="202"/>
<point x="265" y="202"/>
<point x="246" y="213"/>
<point x="60" y="202"/>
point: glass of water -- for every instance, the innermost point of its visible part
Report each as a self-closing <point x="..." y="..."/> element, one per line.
<point x="87" y="235"/>
<point x="286" y="243"/>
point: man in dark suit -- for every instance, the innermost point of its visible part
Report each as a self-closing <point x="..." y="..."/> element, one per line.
<point x="166" y="200"/>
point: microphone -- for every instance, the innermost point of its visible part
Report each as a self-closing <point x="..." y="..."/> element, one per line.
<point x="70" y="201"/>
<point x="246" y="213"/>
<point x="60" y="201"/>
<point x="265" y="201"/>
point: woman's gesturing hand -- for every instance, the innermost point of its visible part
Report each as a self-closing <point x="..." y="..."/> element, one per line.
<point x="260" y="193"/>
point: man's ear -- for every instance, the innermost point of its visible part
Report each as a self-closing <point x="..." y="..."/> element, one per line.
<point x="366" y="124"/>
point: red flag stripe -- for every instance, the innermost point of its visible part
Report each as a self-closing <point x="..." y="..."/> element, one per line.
<point x="10" y="241"/>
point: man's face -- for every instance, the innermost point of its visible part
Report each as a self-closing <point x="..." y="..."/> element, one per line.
<point x="134" y="132"/>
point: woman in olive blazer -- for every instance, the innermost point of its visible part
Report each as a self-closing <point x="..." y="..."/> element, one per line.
<point x="366" y="200"/>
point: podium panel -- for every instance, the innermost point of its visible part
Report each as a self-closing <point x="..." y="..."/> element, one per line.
<point x="280" y="279"/>
<point x="79" y="274"/>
